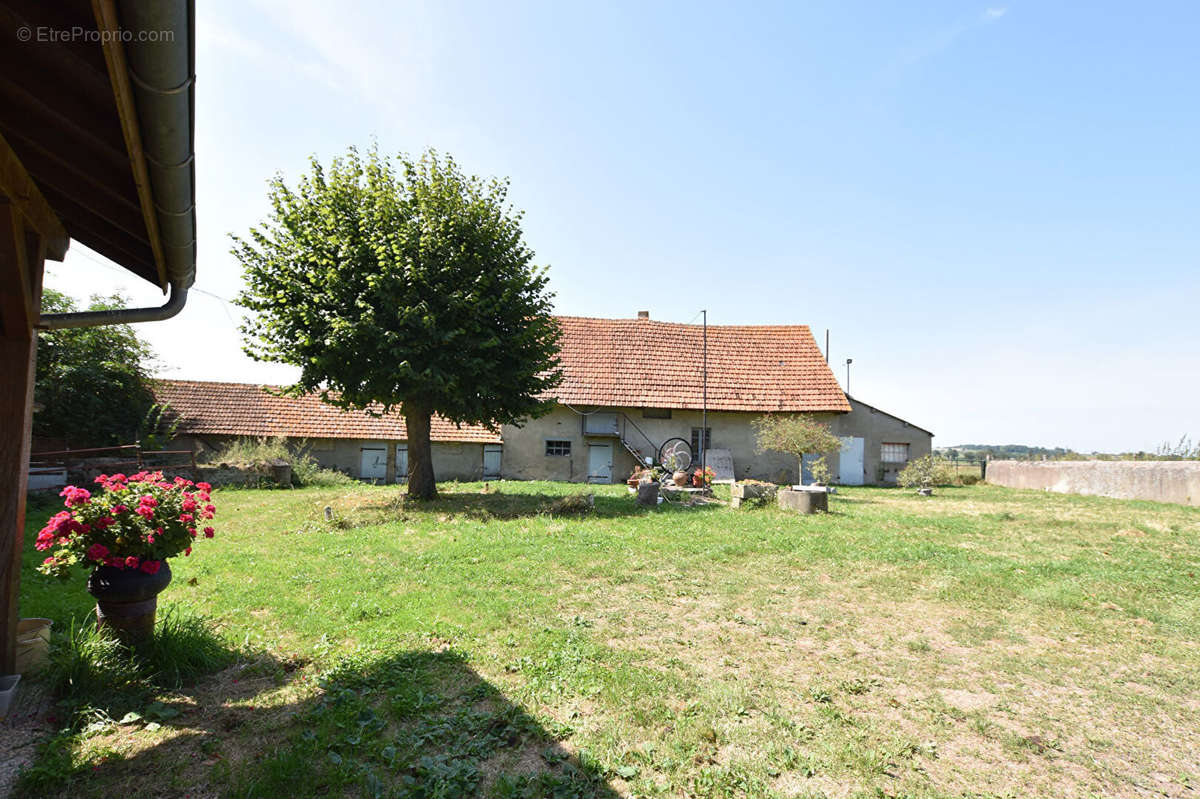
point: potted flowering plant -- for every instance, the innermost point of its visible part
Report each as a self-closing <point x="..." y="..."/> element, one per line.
<point x="703" y="478"/>
<point x="124" y="534"/>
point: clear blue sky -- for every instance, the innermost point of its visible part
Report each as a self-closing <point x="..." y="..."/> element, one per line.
<point x="996" y="209"/>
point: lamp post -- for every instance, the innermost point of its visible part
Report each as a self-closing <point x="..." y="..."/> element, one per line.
<point x="848" y="362"/>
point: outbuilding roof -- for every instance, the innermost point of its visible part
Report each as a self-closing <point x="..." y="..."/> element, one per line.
<point x="650" y="364"/>
<point x="250" y="409"/>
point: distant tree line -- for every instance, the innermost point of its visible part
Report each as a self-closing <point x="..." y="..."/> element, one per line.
<point x="1183" y="449"/>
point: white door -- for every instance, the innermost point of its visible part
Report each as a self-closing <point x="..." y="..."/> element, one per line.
<point x="374" y="463"/>
<point x="599" y="463"/>
<point x="491" y="460"/>
<point x="850" y="461"/>
<point x="402" y="463"/>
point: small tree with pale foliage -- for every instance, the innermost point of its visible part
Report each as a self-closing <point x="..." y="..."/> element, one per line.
<point x="926" y="472"/>
<point x="798" y="435"/>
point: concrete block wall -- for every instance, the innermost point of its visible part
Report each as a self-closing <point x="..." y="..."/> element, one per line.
<point x="1157" y="481"/>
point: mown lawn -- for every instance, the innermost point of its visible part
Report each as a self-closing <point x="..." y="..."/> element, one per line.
<point x="982" y="642"/>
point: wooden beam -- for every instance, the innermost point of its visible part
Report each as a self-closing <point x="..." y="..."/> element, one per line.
<point x="109" y="26"/>
<point x="71" y="133"/>
<point x="90" y="229"/>
<point x="23" y="193"/>
<point x="21" y="260"/>
<point x="85" y="181"/>
<point x="17" y="312"/>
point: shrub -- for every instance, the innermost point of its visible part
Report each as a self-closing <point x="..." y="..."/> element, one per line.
<point x="255" y="451"/>
<point x="259" y="453"/>
<point x="968" y="479"/>
<point x="926" y="472"/>
<point x="307" y="472"/>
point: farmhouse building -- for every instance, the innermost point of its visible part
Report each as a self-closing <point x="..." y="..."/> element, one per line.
<point x="629" y="387"/>
<point x="360" y="444"/>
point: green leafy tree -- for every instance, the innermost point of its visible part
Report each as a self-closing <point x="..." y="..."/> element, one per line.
<point x="92" y="384"/>
<point x="404" y="284"/>
<point x="798" y="435"/>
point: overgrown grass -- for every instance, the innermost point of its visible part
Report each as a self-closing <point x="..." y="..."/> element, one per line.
<point x="982" y="641"/>
<point x="261" y="452"/>
<point x="89" y="669"/>
<point x="97" y="684"/>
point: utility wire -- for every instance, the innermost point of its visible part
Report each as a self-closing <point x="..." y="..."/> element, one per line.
<point x="225" y="304"/>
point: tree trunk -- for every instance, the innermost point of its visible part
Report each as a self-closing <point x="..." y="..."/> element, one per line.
<point x="421" y="482"/>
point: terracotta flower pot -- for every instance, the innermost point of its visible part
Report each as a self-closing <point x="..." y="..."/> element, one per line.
<point x="126" y="600"/>
<point x="680" y="478"/>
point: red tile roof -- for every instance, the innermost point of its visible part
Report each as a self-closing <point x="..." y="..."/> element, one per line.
<point x="246" y="409"/>
<point x="643" y="363"/>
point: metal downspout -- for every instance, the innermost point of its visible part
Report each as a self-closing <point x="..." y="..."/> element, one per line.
<point x="117" y="316"/>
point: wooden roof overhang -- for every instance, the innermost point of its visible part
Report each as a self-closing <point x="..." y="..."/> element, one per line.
<point x="96" y="143"/>
<point x="73" y="116"/>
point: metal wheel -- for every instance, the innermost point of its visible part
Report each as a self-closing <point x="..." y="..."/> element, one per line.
<point x="675" y="455"/>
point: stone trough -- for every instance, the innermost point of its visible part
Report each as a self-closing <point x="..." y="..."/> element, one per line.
<point x="804" y="499"/>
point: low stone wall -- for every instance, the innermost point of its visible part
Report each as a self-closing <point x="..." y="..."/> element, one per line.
<point x="84" y="473"/>
<point x="1157" y="481"/>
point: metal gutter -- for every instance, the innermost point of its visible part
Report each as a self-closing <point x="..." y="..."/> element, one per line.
<point x="162" y="75"/>
<point x="117" y="316"/>
<point x="159" y="49"/>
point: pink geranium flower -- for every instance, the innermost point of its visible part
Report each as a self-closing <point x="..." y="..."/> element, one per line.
<point x="129" y="523"/>
<point x="75" y="496"/>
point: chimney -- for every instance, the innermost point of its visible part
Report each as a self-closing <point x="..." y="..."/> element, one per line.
<point x="643" y="314"/>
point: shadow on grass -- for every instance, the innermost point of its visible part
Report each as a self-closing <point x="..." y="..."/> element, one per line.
<point x="93" y="686"/>
<point x="497" y="505"/>
<point x="414" y="724"/>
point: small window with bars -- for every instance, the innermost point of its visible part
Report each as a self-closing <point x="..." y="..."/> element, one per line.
<point x="894" y="453"/>
<point x="656" y="413"/>
<point x="557" y="447"/>
<point x="700" y="443"/>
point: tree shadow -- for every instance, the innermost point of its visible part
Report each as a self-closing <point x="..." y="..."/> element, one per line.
<point x="498" y="505"/>
<point x="413" y="724"/>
